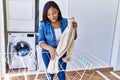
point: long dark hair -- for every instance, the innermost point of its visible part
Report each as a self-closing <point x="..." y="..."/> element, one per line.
<point x="45" y="10"/>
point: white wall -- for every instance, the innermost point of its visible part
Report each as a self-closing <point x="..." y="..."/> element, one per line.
<point x="118" y="59"/>
<point x="115" y="62"/>
<point x="96" y="23"/>
<point x="1" y="16"/>
<point x="0" y="35"/>
<point x="2" y="43"/>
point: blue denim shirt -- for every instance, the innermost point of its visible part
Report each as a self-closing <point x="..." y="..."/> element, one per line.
<point x="47" y="34"/>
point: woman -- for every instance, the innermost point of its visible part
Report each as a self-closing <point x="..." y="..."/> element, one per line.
<point x="50" y="31"/>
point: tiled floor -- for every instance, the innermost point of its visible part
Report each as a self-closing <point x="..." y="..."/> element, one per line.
<point x="78" y="75"/>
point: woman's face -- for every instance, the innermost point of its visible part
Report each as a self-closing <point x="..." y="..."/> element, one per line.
<point x="52" y="14"/>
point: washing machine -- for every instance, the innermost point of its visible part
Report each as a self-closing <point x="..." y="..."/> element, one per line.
<point x="21" y="51"/>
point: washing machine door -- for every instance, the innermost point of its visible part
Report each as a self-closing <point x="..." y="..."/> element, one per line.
<point x="22" y="48"/>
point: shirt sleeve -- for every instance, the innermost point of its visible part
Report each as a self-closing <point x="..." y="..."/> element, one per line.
<point x="41" y="35"/>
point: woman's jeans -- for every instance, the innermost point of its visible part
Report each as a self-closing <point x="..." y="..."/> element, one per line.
<point x="62" y="67"/>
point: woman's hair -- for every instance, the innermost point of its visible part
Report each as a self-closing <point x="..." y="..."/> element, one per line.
<point x="45" y="10"/>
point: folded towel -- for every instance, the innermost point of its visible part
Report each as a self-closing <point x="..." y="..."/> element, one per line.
<point x="65" y="45"/>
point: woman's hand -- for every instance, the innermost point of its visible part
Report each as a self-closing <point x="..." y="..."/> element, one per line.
<point x="74" y="24"/>
<point x="53" y="52"/>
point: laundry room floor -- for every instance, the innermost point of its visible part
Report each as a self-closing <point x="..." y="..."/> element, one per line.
<point x="97" y="74"/>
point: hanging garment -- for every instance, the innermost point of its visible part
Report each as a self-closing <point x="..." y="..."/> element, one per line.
<point x="65" y="45"/>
